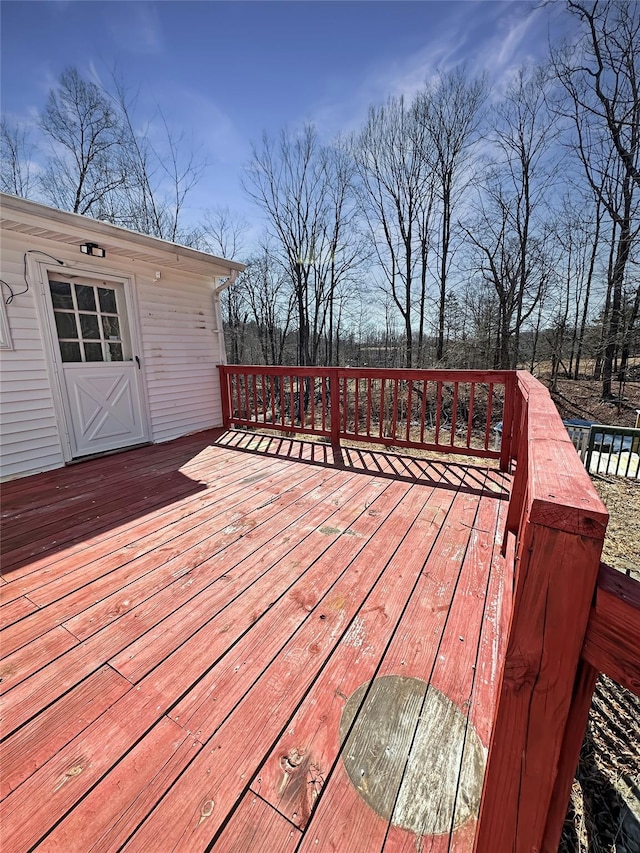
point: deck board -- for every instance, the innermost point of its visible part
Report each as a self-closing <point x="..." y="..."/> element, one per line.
<point x="177" y="666"/>
<point x="310" y="744"/>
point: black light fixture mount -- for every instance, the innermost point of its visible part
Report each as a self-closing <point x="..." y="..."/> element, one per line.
<point x="92" y="249"/>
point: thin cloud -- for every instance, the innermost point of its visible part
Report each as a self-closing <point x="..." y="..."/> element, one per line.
<point x="135" y="27"/>
<point x="517" y="35"/>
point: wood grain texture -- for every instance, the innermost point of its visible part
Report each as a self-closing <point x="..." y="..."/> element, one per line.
<point x="74" y="592"/>
<point x="310" y="744"/>
<point x="105" y="818"/>
<point x="65" y="550"/>
<point x="74" y="769"/>
<point x="19" y="665"/>
<point x="262" y="581"/>
<point x="342" y="820"/>
<point x="204" y="707"/>
<point x="34" y="744"/>
<point x="561" y="494"/>
<point x="13" y="612"/>
<point x="555" y="584"/>
<point x="345" y="567"/>
<point x="259" y="719"/>
<point x="255" y="827"/>
<point x="570" y="753"/>
<point x="454" y="792"/>
<point x="612" y="641"/>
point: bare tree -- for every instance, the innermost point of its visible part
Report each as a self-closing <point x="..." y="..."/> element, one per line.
<point x="85" y="135"/>
<point x="159" y="177"/>
<point x="511" y="233"/>
<point x="304" y="189"/>
<point x="601" y="78"/>
<point x="271" y="304"/>
<point x="397" y="198"/>
<point x="449" y="110"/>
<point x="16" y="152"/>
<point x="224" y="233"/>
<point x="99" y="162"/>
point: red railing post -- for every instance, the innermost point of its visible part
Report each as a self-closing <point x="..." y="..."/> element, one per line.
<point x="225" y="395"/>
<point x="560" y="524"/>
<point x="334" y="391"/>
<point x="507" y="421"/>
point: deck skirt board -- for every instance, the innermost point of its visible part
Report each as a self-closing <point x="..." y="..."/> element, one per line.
<point x="218" y="665"/>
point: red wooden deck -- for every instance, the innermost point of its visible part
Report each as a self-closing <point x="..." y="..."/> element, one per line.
<point x="234" y="642"/>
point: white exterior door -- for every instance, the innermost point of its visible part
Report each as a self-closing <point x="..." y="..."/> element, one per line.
<point x="99" y="374"/>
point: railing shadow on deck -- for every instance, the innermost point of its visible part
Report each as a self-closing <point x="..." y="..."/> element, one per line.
<point x="472" y="479"/>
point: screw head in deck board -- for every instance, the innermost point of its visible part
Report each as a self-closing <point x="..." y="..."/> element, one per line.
<point x="412" y="755"/>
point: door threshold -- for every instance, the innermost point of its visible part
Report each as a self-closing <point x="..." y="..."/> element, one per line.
<point x="113" y="452"/>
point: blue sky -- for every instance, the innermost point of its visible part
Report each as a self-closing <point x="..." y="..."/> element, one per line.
<point x="225" y="71"/>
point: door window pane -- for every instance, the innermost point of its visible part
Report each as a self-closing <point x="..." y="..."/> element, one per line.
<point x="107" y="300"/>
<point x="111" y="327"/>
<point x="89" y="326"/>
<point x="85" y="297"/>
<point x="115" y="352"/>
<point x="61" y="294"/>
<point x="66" y="325"/>
<point x="93" y="352"/>
<point x="87" y="322"/>
<point x="70" y="351"/>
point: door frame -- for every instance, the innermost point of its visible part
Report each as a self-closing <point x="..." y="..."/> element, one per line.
<point x="38" y="272"/>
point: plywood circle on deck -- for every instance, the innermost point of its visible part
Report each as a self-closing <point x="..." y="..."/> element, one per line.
<point x="445" y="769"/>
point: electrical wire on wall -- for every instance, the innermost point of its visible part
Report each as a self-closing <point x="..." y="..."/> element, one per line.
<point x="12" y="293"/>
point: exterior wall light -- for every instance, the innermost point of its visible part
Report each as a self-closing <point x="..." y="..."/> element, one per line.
<point x="92" y="249"/>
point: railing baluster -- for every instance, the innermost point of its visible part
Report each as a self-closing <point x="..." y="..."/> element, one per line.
<point x="312" y="389"/>
<point x="472" y="394"/>
<point x="273" y="399"/>
<point x="454" y="413"/>
<point x="487" y="431"/>
<point x="282" y="392"/>
<point x="394" y="423"/>
<point x="324" y="404"/>
<point x="301" y="393"/>
<point x="334" y="414"/>
<point x="239" y="399"/>
<point x="344" y="403"/>
<point x="266" y="396"/>
<point x="292" y="407"/>
<point x="255" y="397"/>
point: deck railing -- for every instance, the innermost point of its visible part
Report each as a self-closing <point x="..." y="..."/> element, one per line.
<point x="613" y="450"/>
<point x="559" y="525"/>
<point x="571" y="619"/>
<point x="449" y="411"/>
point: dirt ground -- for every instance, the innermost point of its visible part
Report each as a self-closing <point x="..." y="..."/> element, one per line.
<point x="604" y="813"/>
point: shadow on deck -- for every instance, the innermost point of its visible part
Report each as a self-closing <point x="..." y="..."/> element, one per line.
<point x="253" y="654"/>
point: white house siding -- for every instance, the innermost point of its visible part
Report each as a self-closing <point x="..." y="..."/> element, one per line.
<point x="28" y="425"/>
<point x="181" y="348"/>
